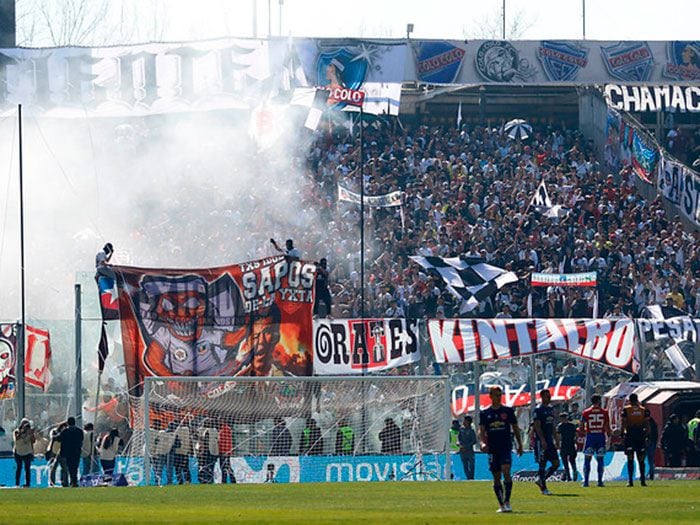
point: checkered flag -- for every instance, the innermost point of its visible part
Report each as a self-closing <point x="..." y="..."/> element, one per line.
<point x="469" y="279"/>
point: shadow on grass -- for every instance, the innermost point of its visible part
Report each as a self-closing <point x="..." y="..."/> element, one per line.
<point x="566" y="495"/>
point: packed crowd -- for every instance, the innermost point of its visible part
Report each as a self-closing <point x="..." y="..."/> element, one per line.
<point x="469" y="192"/>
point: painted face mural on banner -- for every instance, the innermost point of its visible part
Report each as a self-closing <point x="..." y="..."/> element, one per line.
<point x="173" y="312"/>
<point x="341" y="68"/>
<point x="683" y="60"/>
<point x="252" y="318"/>
<point x="7" y="362"/>
<point x="499" y="61"/>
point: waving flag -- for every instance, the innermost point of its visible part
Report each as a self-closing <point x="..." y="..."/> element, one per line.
<point x="108" y="297"/>
<point x="467" y="278"/>
<point x="38" y="358"/>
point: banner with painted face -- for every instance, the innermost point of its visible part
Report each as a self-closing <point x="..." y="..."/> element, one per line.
<point x="374" y="67"/>
<point x="604" y="341"/>
<point x="356" y="346"/>
<point x="681" y="186"/>
<point x="8" y="349"/>
<point x="252" y="318"/>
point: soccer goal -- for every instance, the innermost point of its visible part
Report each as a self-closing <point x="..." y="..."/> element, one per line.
<point x="293" y="429"/>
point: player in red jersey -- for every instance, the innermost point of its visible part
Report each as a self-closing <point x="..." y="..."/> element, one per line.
<point x="596" y="424"/>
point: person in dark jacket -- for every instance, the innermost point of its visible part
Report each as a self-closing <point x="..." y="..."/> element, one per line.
<point x="281" y="439"/>
<point x="651" y="446"/>
<point x="71" y="439"/>
<point x="311" y="440"/>
<point x="390" y="436"/>
<point x="467" y="440"/>
<point x="674" y="440"/>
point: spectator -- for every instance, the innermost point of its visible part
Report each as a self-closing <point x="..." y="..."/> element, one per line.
<point x="311" y="439"/>
<point x="674" y="439"/>
<point x="87" y="452"/>
<point x="390" y="437"/>
<point x="71" y="439"/>
<point x="281" y="439"/>
<point x="108" y="448"/>
<point x="23" y="450"/>
<point x="226" y="452"/>
<point x="344" y="439"/>
<point x="467" y="440"/>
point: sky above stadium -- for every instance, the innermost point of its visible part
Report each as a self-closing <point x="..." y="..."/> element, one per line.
<point x="454" y="19"/>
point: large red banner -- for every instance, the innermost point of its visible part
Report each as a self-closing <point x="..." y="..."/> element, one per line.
<point x="252" y="318"/>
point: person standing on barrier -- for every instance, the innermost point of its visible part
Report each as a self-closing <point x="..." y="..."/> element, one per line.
<point x="467" y="440"/>
<point x="635" y="430"/>
<point x="595" y="423"/>
<point x="497" y="426"/>
<point x="23" y="450"/>
<point x="546" y="441"/>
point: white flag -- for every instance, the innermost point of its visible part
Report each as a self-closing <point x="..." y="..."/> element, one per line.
<point x="459" y="115"/>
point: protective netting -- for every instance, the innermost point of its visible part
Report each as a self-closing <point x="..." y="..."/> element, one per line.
<point x="291" y="429"/>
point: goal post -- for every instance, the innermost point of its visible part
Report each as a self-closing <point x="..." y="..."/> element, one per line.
<point x="293" y="429"/>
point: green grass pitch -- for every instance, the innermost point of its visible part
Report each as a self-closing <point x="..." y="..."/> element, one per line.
<point x="391" y="502"/>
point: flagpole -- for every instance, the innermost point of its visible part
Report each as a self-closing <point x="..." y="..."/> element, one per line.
<point x="19" y="369"/>
<point x="362" y="222"/>
<point x="78" y="393"/>
<point x="362" y="268"/>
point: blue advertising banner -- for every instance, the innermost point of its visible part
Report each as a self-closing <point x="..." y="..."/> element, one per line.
<point x="320" y="469"/>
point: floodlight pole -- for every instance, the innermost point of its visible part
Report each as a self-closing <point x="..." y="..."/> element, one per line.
<point x="504" y="20"/>
<point x="21" y="333"/>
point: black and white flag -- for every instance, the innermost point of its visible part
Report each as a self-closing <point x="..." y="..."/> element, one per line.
<point x="659" y="322"/>
<point x="467" y="278"/>
<point x="542" y="202"/>
<point x="314" y="99"/>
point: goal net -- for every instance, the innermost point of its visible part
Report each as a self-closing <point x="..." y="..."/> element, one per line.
<point x="284" y="429"/>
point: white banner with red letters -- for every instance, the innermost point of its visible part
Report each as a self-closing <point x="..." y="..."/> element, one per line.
<point x="608" y="342"/>
<point x="38" y="358"/>
<point x="356" y="346"/>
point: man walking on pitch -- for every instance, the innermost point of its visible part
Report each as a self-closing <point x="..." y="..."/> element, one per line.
<point x="635" y="429"/>
<point x="596" y="425"/>
<point x="497" y="424"/>
<point x="545" y="437"/>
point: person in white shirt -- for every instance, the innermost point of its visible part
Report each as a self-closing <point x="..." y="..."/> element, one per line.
<point x="290" y="251"/>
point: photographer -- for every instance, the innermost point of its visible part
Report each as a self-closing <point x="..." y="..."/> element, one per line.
<point x="24" y="439"/>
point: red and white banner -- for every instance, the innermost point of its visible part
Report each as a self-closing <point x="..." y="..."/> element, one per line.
<point x="351" y="97"/>
<point x="587" y="279"/>
<point x="608" y="342"/>
<point x="561" y="388"/>
<point x="38" y="358"/>
<point x="354" y="346"/>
